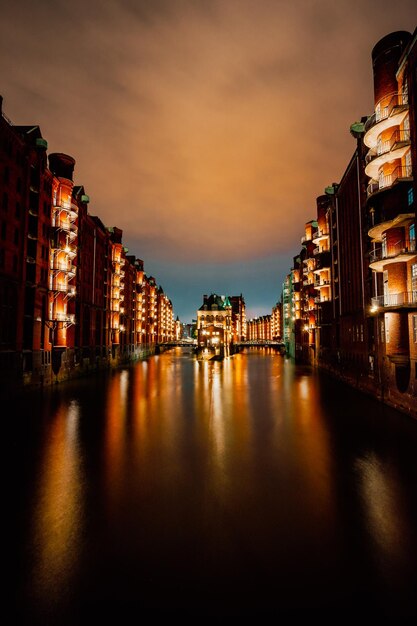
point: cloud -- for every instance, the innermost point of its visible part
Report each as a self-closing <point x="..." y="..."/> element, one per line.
<point x="205" y="130"/>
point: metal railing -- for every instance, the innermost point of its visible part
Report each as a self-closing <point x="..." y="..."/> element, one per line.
<point x="62" y="267"/>
<point x="397" y="100"/>
<point x="65" y="317"/>
<point x="402" y="171"/>
<point x="404" y="298"/>
<point x="392" y="251"/>
<point x="397" y="137"/>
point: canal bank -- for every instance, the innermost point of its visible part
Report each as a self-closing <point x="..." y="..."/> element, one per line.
<point x="380" y="385"/>
<point x="60" y="365"/>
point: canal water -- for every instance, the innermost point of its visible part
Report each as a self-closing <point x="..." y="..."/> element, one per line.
<point x="248" y="487"/>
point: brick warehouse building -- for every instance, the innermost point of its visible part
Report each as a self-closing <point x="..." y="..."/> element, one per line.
<point x="71" y="299"/>
<point x="365" y="316"/>
<point x="390" y="135"/>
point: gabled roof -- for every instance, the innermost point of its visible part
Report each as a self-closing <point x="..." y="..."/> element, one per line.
<point x="220" y="302"/>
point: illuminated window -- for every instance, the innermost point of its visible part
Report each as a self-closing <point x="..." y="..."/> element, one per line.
<point x="412" y="236"/>
<point x="414" y="281"/>
<point x="384" y="246"/>
<point x="410" y="196"/>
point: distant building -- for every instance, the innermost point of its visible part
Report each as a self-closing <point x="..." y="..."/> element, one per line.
<point x="238" y="318"/>
<point x="214" y="325"/>
<point x="260" y="328"/>
<point x="276" y="322"/>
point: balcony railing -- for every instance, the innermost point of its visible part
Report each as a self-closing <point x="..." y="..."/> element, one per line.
<point x="62" y="206"/>
<point x="397" y="138"/>
<point x="55" y="286"/>
<point x="65" y="317"/>
<point x="62" y="267"/>
<point x="318" y="251"/>
<point x="404" y="298"/>
<point x="380" y="253"/>
<point x="398" y="101"/>
<point x="384" y="182"/>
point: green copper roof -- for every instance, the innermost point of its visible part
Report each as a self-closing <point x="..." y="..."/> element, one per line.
<point x="41" y="143"/>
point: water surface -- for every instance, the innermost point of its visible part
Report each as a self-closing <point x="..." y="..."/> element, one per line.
<point x="243" y="487"/>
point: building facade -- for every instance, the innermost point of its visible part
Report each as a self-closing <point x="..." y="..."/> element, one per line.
<point x="391" y="170"/>
<point x="71" y="298"/>
<point x="215" y="326"/>
<point x="350" y="302"/>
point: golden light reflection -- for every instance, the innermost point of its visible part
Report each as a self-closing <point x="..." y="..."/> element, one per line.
<point x="210" y="407"/>
<point x="382" y="500"/>
<point x="60" y="504"/>
<point x="115" y="434"/>
<point x="240" y="400"/>
<point x="311" y="437"/>
<point x="217" y="415"/>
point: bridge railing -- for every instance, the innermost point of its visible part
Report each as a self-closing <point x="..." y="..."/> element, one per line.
<point x="261" y="342"/>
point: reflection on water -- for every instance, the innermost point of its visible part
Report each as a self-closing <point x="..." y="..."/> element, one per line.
<point x="58" y="514"/>
<point x="239" y="484"/>
<point x="383" y="502"/>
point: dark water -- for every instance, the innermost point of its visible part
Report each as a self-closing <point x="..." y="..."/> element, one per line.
<point x="244" y="487"/>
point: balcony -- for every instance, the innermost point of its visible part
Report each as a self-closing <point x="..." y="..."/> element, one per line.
<point x="62" y="206"/>
<point x="321" y="284"/>
<point x="395" y="300"/>
<point x="64" y="317"/>
<point x="320" y="234"/>
<point x="394" y="148"/>
<point x="317" y="251"/>
<point x="400" y="173"/>
<point x="62" y="266"/>
<point x="71" y="250"/>
<point x="397" y="253"/>
<point x="383" y="223"/>
<point x="58" y="286"/>
<point x="73" y="213"/>
<point x="398" y="137"/>
<point x="392" y="114"/>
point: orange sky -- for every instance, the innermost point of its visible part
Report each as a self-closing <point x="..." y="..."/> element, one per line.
<point x="204" y="129"/>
